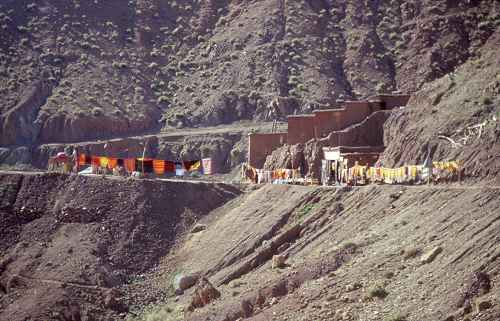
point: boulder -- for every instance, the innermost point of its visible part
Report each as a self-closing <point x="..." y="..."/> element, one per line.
<point x="431" y="255"/>
<point x="204" y="293"/>
<point x="198" y="228"/>
<point x="183" y="282"/>
<point x="278" y="262"/>
<point x="20" y="155"/>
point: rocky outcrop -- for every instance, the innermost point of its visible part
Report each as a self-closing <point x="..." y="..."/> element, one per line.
<point x="67" y="129"/>
<point x="18" y="126"/>
<point x="463" y="107"/>
<point x="222" y="148"/>
<point x="204" y="293"/>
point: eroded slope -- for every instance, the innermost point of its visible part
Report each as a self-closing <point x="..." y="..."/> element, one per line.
<point x="68" y="243"/>
<point x="351" y="255"/>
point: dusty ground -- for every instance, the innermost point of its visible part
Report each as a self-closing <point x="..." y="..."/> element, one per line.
<point x="86" y="248"/>
<point x="348" y="242"/>
<point x="67" y="241"/>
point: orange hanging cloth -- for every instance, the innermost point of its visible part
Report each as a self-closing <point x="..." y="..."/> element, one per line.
<point x="129" y="164"/>
<point x="96" y="161"/>
<point x="112" y="163"/>
<point x="159" y="166"/>
<point x="81" y="160"/>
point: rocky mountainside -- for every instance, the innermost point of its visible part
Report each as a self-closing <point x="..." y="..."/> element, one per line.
<point x="77" y="70"/>
<point x="88" y="248"/>
<point x="455" y="117"/>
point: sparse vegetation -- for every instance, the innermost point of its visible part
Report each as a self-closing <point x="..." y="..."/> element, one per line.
<point x="377" y="291"/>
<point x="487" y="101"/>
<point x="304" y="211"/>
<point x="395" y="317"/>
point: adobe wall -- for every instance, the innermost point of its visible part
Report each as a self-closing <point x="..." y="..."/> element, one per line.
<point x="367" y="133"/>
<point x="262" y="145"/>
<point x="301" y="128"/>
<point x="356" y="112"/>
<point x="327" y="121"/>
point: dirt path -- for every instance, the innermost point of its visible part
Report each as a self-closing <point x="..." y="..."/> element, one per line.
<point x="56" y="282"/>
<point x="444" y="186"/>
<point x="233" y="128"/>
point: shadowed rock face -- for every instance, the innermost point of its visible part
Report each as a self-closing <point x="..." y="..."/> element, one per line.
<point x="19" y="123"/>
<point x="120" y="68"/>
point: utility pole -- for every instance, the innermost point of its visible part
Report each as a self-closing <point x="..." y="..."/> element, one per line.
<point x="144" y="155"/>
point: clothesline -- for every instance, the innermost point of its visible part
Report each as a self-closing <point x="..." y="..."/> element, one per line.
<point x="359" y="175"/>
<point x="146" y="165"/>
<point x="411" y="174"/>
<point x="278" y="176"/>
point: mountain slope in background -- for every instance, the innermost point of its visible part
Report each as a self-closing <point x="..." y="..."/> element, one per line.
<point x="76" y="70"/>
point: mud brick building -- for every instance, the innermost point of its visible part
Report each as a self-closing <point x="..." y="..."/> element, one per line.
<point x="354" y="124"/>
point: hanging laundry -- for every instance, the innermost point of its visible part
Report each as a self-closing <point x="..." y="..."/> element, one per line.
<point x="192" y="166"/>
<point x="207" y="166"/>
<point x="95" y="161"/>
<point x="159" y="166"/>
<point x="179" y="169"/>
<point x="144" y="165"/>
<point x="103" y="161"/>
<point x="84" y="160"/>
<point x="130" y="164"/>
<point x="113" y="162"/>
<point x="188" y="164"/>
<point x="169" y="167"/>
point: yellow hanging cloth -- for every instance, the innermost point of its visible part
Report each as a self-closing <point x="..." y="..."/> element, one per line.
<point x="103" y="161"/>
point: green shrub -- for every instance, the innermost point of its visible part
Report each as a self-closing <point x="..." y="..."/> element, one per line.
<point x="487" y="101"/>
<point x="349" y="246"/>
<point x="377" y="291"/>
<point x="395" y="317"/>
<point x="306" y="209"/>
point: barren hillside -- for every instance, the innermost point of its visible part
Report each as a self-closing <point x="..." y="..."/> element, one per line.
<point x="77" y="70"/>
<point x="74" y="248"/>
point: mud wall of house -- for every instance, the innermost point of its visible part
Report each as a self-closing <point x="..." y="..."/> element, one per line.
<point x="368" y="133"/>
<point x="301" y="129"/>
<point x="327" y="121"/>
<point x="356" y="112"/>
<point x="262" y="145"/>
